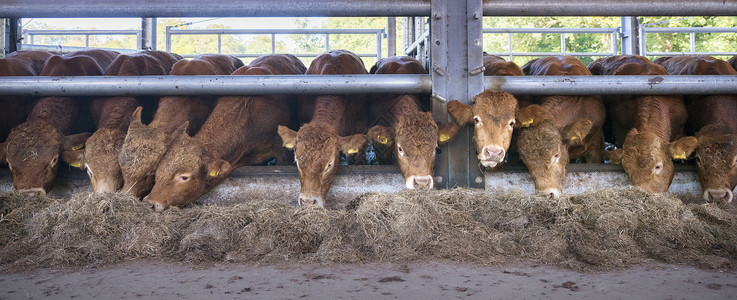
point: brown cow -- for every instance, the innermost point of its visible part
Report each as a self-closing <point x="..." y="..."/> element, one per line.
<point x="14" y="108"/>
<point x="579" y="120"/>
<point x="646" y="127"/>
<point x="492" y="113"/>
<point x="713" y="119"/>
<point x="241" y="130"/>
<point x="33" y="148"/>
<point x="145" y="145"/>
<point x="112" y="116"/>
<point x="411" y="135"/>
<point x="318" y="144"/>
<point x="733" y="62"/>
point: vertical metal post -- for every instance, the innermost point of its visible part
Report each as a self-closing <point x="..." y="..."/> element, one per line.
<point x="563" y="43"/>
<point x="510" y="46"/>
<point x="391" y="36"/>
<point x="220" y="40"/>
<point x="86" y="40"/>
<point x="692" y="41"/>
<point x="422" y="53"/>
<point x="168" y="39"/>
<point x="631" y="36"/>
<point x="643" y="40"/>
<point x="378" y="44"/>
<point x="273" y="43"/>
<point x="14" y="36"/>
<point x="3" y="37"/>
<point x="148" y="34"/>
<point x="327" y="42"/>
<point x="456" y="38"/>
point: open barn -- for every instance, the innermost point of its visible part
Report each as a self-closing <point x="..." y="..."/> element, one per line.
<point x="474" y="215"/>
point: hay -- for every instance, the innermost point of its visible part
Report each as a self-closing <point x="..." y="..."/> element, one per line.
<point x="601" y="230"/>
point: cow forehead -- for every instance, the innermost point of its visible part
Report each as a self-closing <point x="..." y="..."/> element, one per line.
<point x="497" y="104"/>
<point x="540" y="141"/>
<point x="183" y="156"/>
<point x="33" y="139"/>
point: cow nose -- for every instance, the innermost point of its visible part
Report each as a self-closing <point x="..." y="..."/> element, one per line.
<point x="720" y="195"/>
<point x="155" y="205"/>
<point x="551" y="193"/>
<point x="305" y="200"/>
<point x="33" y="192"/>
<point x="493" y="153"/>
<point x="423" y="181"/>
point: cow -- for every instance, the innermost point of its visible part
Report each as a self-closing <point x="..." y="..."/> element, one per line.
<point x="241" y="130"/>
<point x="144" y="145"/>
<point x="733" y="62"/>
<point x="337" y="124"/>
<point x="111" y="116"/>
<point x="577" y="120"/>
<point x="713" y="120"/>
<point x="14" y="108"/>
<point x="493" y="114"/>
<point x="408" y="133"/>
<point x="648" y="129"/>
<point x="33" y="148"/>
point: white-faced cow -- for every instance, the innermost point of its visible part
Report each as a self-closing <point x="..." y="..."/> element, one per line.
<point x="648" y="129"/>
<point x="241" y="130"/>
<point x="111" y="116"/>
<point x="336" y="124"/>
<point x="144" y="145"/>
<point x="575" y="127"/>
<point x="409" y="135"/>
<point x="33" y="148"/>
<point x="713" y="120"/>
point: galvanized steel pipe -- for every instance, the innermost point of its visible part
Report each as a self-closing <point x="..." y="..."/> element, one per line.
<point x="357" y="84"/>
<point x="364" y="8"/>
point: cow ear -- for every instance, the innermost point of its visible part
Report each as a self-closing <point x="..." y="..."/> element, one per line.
<point x="574" y="133"/>
<point x="683" y="147"/>
<point x="218" y="168"/>
<point x="288" y="137"/>
<point x="446" y="132"/>
<point x="460" y="112"/>
<point x="136" y="116"/>
<point x="532" y="114"/>
<point x="352" y="144"/>
<point x="180" y="131"/>
<point x="381" y="134"/>
<point x="614" y="156"/>
<point x="72" y="149"/>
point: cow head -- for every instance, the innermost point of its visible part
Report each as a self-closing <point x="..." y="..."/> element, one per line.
<point x="415" y="139"/>
<point x="493" y="116"/>
<point x="140" y="153"/>
<point x="185" y="172"/>
<point x="32" y="152"/>
<point x="544" y="150"/>
<point x="648" y="159"/>
<point x="317" y="149"/>
<point x="100" y="159"/>
<point x="716" y="162"/>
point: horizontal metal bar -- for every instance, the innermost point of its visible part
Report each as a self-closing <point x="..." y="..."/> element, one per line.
<point x="212" y="85"/>
<point x="689" y="29"/>
<point x="613" y="85"/>
<point x="553" y="53"/>
<point x="650" y="53"/>
<point x="357" y="84"/>
<point x="364" y="8"/>
<point x="275" y="31"/>
<point x="550" y="30"/>
<point x="609" y="8"/>
<point x="259" y="55"/>
<point x="66" y="49"/>
<point x="81" y="32"/>
<point x="416" y="44"/>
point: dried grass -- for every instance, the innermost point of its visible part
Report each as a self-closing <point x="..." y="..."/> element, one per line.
<point x="601" y="230"/>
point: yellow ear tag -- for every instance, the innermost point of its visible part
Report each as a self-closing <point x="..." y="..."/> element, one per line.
<point x="573" y="138"/>
<point x="76" y="164"/>
<point x="444" y="137"/>
<point x="527" y="123"/>
<point x="352" y="151"/>
<point x="382" y="139"/>
<point x="681" y="155"/>
<point x="77" y="147"/>
<point x="289" y="145"/>
<point x="214" y="173"/>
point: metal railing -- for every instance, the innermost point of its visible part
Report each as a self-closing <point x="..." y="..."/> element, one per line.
<point x="30" y="34"/>
<point x="510" y="53"/>
<point x="692" y="31"/>
<point x="379" y="33"/>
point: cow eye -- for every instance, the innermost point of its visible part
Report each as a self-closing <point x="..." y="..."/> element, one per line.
<point x="734" y="162"/>
<point x="511" y="123"/>
<point x="400" y="150"/>
<point x="477" y="120"/>
<point x="183" y="178"/>
<point x="10" y="167"/>
<point x="54" y="161"/>
<point x="328" y="167"/>
<point x="438" y="150"/>
<point x="89" y="171"/>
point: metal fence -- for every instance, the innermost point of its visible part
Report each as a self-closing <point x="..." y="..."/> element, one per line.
<point x="510" y="53"/>
<point x="379" y="33"/>
<point x="30" y="35"/>
<point x="692" y="31"/>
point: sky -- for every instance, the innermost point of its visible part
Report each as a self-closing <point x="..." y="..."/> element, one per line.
<point x="135" y="23"/>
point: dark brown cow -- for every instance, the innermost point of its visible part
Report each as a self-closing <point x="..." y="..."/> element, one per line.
<point x="241" y="130"/>
<point x="578" y="119"/>
<point x="15" y="108"/>
<point x="410" y="134"/>
<point x="112" y="116"/>
<point x="646" y="128"/>
<point x="492" y="113"/>
<point x="713" y="119"/>
<point x="33" y="148"/>
<point x="733" y="62"/>
<point x="334" y="118"/>
<point x="145" y="145"/>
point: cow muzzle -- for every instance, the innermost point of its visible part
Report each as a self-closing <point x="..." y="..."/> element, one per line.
<point x="491" y="156"/>
<point x="33" y="192"/>
<point x="718" y="195"/>
<point x="424" y="182"/>
<point x="156" y="205"/>
<point x="305" y="200"/>
<point x="551" y="193"/>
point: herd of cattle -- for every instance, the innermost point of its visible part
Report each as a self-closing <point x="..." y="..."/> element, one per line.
<point x="171" y="150"/>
